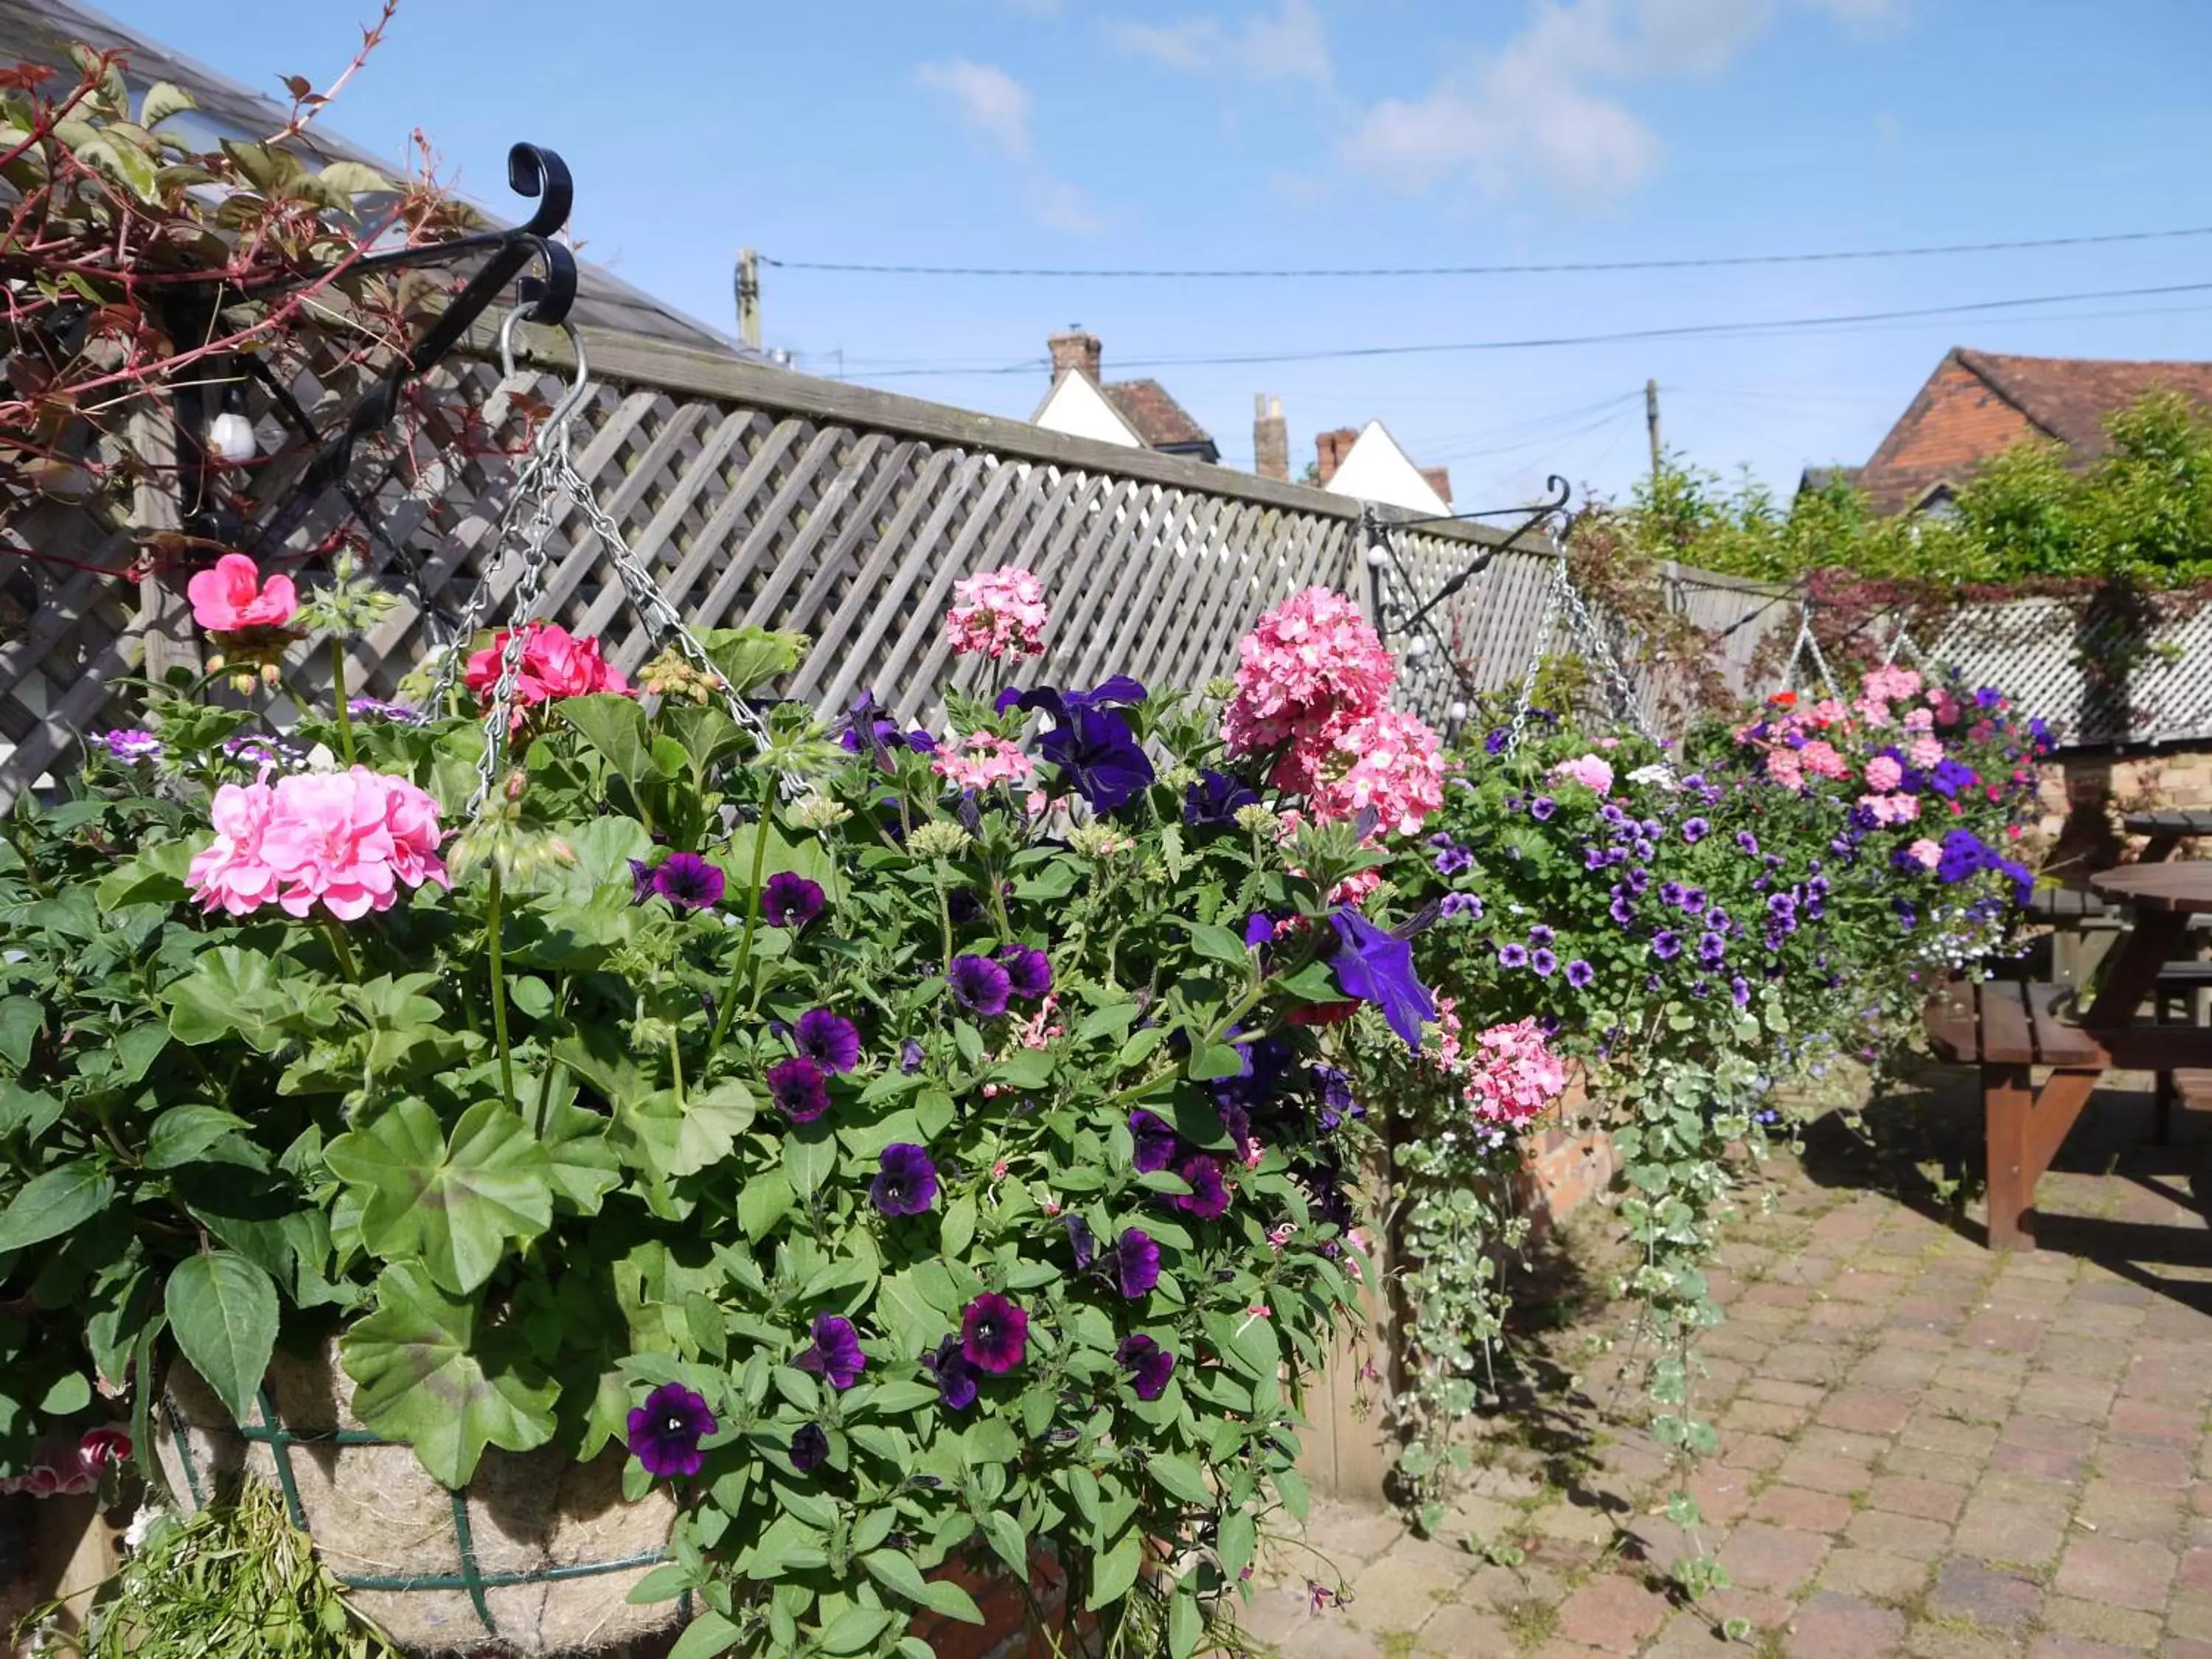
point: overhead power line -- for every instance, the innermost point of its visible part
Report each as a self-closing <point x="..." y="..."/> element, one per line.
<point x="1550" y="268"/>
<point x="1747" y="327"/>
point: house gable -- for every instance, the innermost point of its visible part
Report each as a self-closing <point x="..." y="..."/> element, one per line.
<point x="1077" y="407"/>
<point x="1374" y="469"/>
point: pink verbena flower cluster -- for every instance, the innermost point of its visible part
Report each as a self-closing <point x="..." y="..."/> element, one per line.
<point x="232" y="599"/>
<point x="1396" y="766"/>
<point x="981" y="760"/>
<point x="1511" y="1074"/>
<point x="997" y="611"/>
<point x="1593" y="772"/>
<point x="555" y="664"/>
<point x="346" y="841"/>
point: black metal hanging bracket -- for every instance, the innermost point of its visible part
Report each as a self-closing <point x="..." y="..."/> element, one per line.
<point x="531" y="171"/>
<point x="1373" y="535"/>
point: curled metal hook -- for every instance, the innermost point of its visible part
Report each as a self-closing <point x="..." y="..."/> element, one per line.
<point x="580" y="383"/>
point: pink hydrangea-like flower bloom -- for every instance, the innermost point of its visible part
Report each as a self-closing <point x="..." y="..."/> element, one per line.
<point x="1873" y="711"/>
<point x="1310" y="667"/>
<point x="1782" y="766"/>
<point x="1947" y="706"/>
<point x="1354" y="888"/>
<point x="1890" y="682"/>
<point x="1512" y="1074"/>
<point x="1388" y="761"/>
<point x="1589" y="770"/>
<point x="1920" y="719"/>
<point x="232" y="597"/>
<point x="1828" y="711"/>
<point x="555" y="664"/>
<point x="981" y="760"/>
<point x="996" y="611"/>
<point x="1924" y="751"/>
<point x="1925" y="853"/>
<point x="1892" y="809"/>
<point x="346" y="841"/>
<point x="1884" y="774"/>
<point x="1820" y="759"/>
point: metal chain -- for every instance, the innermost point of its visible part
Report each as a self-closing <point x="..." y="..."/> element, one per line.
<point x="1542" y="638"/>
<point x="499" y="715"/>
<point x="1620" y="689"/>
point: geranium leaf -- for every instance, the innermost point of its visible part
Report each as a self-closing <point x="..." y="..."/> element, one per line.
<point x="583" y="1164"/>
<point x="231" y="992"/>
<point x="224" y="1310"/>
<point x="750" y="657"/>
<point x="424" y="1378"/>
<point x="615" y="726"/>
<point x="454" y="1205"/>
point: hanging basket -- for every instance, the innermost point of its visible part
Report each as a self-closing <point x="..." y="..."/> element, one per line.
<point x="535" y="1556"/>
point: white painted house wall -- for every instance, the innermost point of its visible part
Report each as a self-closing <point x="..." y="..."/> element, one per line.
<point x="1077" y="407"/>
<point x="1376" y="470"/>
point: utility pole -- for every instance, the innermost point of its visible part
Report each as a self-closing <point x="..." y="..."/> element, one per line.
<point x="1651" y="425"/>
<point x="749" y="329"/>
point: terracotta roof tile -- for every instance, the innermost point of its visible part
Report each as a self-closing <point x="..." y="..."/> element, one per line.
<point x="1157" y="418"/>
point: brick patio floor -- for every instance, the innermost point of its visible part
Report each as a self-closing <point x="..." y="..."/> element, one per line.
<point x="1924" y="1447"/>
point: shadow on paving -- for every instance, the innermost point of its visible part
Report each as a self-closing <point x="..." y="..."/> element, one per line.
<point x="2114" y="1196"/>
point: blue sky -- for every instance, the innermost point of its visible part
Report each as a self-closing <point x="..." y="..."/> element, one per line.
<point x="1330" y="132"/>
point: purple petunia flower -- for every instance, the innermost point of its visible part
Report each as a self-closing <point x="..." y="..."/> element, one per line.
<point x="1621" y="910"/>
<point x="1081" y="1241"/>
<point x="810" y="1448"/>
<point x="906" y="1179"/>
<point x="1670" y="893"/>
<point x="1638" y="878"/>
<point x="800" y="1087"/>
<point x="1208" y="1197"/>
<point x="1543" y="962"/>
<point x="994" y="1333"/>
<point x="1739" y="988"/>
<point x="1747" y="841"/>
<point x="130" y="744"/>
<point x="1374" y="965"/>
<point x="1215" y="798"/>
<point x="1666" y="944"/>
<point x="829" y="1040"/>
<point x="1456" y="905"/>
<point x="641" y="881"/>
<point x="789" y="900"/>
<point x="1156" y="1142"/>
<point x="980" y="986"/>
<point x="835" y="1353"/>
<point x="688" y="882"/>
<point x="1695" y="830"/>
<point x="1028" y="974"/>
<point x="1149" y="1365"/>
<point x="1693" y="900"/>
<point x="1543" y="808"/>
<point x="1513" y="955"/>
<point x="1580" y="973"/>
<point x="1136" y="1262"/>
<point x="957" y="1380"/>
<point x="1453" y="858"/>
<point x="911" y="1054"/>
<point x="1495" y="740"/>
<point x="665" y="1432"/>
<point x="1712" y="949"/>
<point x="1540" y="934"/>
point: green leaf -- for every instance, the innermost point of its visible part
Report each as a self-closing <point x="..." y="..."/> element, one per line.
<point x="663" y="1583"/>
<point x="1116" y="1570"/>
<point x="163" y="99"/>
<point x="989" y="1440"/>
<point x="855" y="1628"/>
<point x="897" y="1573"/>
<point x="809" y="1156"/>
<point x="957" y="1231"/>
<point x="764" y="1200"/>
<point x="583" y="1164"/>
<point x="55" y="1203"/>
<point x="681" y="1137"/>
<point x="1178" y="1477"/>
<point x="20" y="1020"/>
<point x="70" y="1393"/>
<point x="357" y="178"/>
<point x="184" y="1133"/>
<point x="453" y="1205"/>
<point x="1218" y="944"/>
<point x="427" y="1379"/>
<point x="704" y="1637"/>
<point x="615" y="726"/>
<point x="1008" y="1541"/>
<point x="156" y="876"/>
<point x="1238" y="1538"/>
<point x="750" y="657"/>
<point x="224" y="1310"/>
<point x="1219" y="1060"/>
<point x="121" y="161"/>
<point x="231" y="992"/>
<point x="1183" y="1623"/>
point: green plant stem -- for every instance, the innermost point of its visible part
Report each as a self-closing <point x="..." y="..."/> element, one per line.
<point x="944" y="910"/>
<point x="343" y="950"/>
<point x="338" y="698"/>
<point x="745" y="945"/>
<point x="492" y="924"/>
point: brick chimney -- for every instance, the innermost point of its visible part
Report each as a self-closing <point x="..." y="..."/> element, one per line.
<point x="1331" y="447"/>
<point x="1074" y="350"/>
<point x="1271" y="438"/>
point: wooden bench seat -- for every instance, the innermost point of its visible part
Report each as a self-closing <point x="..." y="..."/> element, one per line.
<point x="2006" y="1023"/>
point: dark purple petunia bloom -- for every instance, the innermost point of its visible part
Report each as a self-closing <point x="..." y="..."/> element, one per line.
<point x="1080" y="1240"/>
<point x="1208" y="1197"/>
<point x="1136" y="1262"/>
<point x="1259" y="930"/>
<point x="1375" y="966"/>
<point x="994" y="1333"/>
<point x="1544" y="962"/>
<point x="1580" y="973"/>
<point x="1453" y="858"/>
<point x="1337" y="1100"/>
<point x="1621" y="910"/>
<point x="1456" y="905"/>
<point x="1216" y="799"/>
<point x="906" y="1179"/>
<point x="1695" y="830"/>
<point x="835" y="1353"/>
<point x="1747" y="841"/>
<point x="1666" y="944"/>
<point x="1495" y="740"/>
<point x="1028" y="973"/>
<point x="911" y="1054"/>
<point x="1670" y="893"/>
<point x="1693" y="900"/>
<point x="1543" y="808"/>
<point x="688" y="882"/>
<point x="1149" y="1365"/>
<point x="1739" y="988"/>
<point x="800" y="1087"/>
<point x="1712" y="949"/>
<point x="790" y="900"/>
<point x="1090" y="741"/>
<point x="665" y="1432"/>
<point x="810" y="1448"/>
<point x="641" y="881"/>
<point x="981" y="985"/>
<point x="1512" y="955"/>
<point x="1540" y="934"/>
<point x="957" y="1379"/>
<point x="1156" y="1142"/>
<point x="1638" y="878"/>
<point x="829" y="1040"/>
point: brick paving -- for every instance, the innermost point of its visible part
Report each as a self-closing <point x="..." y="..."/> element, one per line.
<point x="1926" y="1450"/>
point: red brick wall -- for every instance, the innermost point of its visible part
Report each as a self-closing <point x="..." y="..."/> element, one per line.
<point x="1954" y="424"/>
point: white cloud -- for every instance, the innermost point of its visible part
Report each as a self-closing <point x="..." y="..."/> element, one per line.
<point x="1545" y="108"/>
<point x="1061" y="205"/>
<point x="1287" y="43"/>
<point x="988" y="100"/>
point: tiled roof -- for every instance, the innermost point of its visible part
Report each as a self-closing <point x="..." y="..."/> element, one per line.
<point x="1157" y="418"/>
<point x="39" y="31"/>
<point x="2069" y="397"/>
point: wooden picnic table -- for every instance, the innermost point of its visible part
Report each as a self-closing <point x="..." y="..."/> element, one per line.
<point x="2010" y="1028"/>
<point x="2166" y="829"/>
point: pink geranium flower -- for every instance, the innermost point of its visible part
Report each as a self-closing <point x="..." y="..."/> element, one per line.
<point x="981" y="759"/>
<point x="1925" y="853"/>
<point x="232" y="597"/>
<point x="1820" y="759"/>
<point x="996" y="611"/>
<point x="346" y="841"/>
<point x="555" y="664"/>
<point x="1591" y="771"/>
<point x="230" y="873"/>
<point x="1884" y="774"/>
<point x="1309" y="668"/>
<point x="1390" y="761"/>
